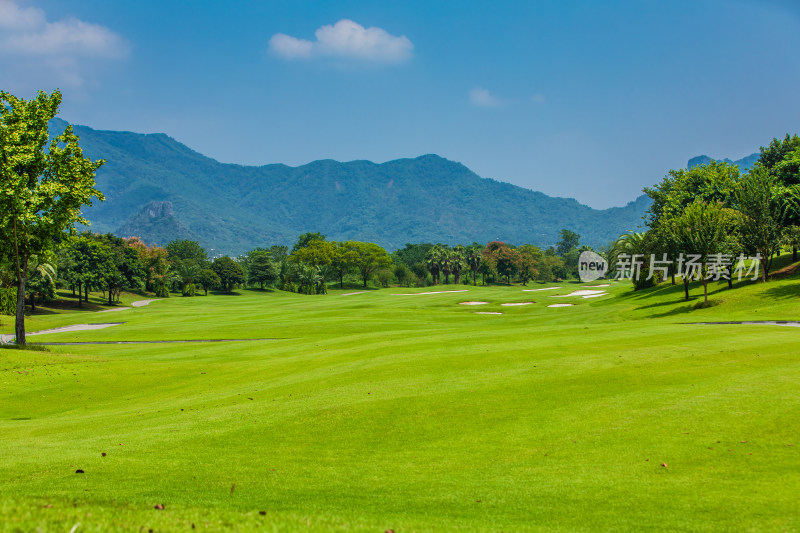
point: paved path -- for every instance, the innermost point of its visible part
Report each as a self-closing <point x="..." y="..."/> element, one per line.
<point x="75" y="327"/>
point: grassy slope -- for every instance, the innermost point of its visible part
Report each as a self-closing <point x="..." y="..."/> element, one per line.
<point x="377" y="411"/>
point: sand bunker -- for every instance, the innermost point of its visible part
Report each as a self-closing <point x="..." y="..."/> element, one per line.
<point x="545" y="289"/>
<point x="517" y="303"/>
<point x="473" y="303"/>
<point x="595" y="286"/>
<point x="578" y="293"/>
<point x="594" y="295"/>
<point x="487" y="313"/>
<point x="432" y="292"/>
<point x="352" y="293"/>
<point x="560" y="305"/>
<point x="142" y="303"/>
<point x="114" y="309"/>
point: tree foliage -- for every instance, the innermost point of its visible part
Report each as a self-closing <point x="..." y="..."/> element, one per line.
<point x="44" y="183"/>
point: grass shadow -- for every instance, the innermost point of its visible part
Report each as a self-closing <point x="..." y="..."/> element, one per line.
<point x="784" y="291"/>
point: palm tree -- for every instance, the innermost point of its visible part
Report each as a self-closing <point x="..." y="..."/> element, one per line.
<point x="473" y="258"/>
<point x="457" y="262"/>
<point x="433" y="261"/>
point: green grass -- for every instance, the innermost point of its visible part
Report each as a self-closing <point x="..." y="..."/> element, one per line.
<point x="380" y="411"/>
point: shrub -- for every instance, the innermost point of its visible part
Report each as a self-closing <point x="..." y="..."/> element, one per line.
<point x="162" y="292"/>
<point x="189" y="289"/>
<point x="8" y="301"/>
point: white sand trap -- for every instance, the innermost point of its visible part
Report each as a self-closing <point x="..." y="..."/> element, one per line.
<point x="487" y="313"/>
<point x="595" y="286"/>
<point x="560" y="305"/>
<point x="114" y="309"/>
<point x="76" y="327"/>
<point x="517" y="303"/>
<point x="545" y="289"/>
<point x="595" y="295"/>
<point x="352" y="293"/>
<point x="142" y="303"/>
<point x="418" y="293"/>
<point x="577" y="293"/>
<point x="473" y="303"/>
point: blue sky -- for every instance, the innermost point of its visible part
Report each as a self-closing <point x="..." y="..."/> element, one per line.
<point x="590" y="100"/>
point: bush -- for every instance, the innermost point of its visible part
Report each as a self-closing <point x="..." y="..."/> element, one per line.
<point x="8" y="301"/>
<point x="162" y="292"/>
<point x="189" y="289"/>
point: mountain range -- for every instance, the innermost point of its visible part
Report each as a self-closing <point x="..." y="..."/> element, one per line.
<point x="159" y="189"/>
<point x="745" y="163"/>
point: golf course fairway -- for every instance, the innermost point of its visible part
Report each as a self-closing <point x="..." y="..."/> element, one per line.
<point x="386" y="410"/>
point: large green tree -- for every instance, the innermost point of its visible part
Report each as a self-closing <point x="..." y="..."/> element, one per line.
<point x="704" y="230"/>
<point x="229" y="271"/>
<point x="263" y="269"/>
<point x="368" y="257"/>
<point x="761" y="213"/>
<point x="44" y="183"/>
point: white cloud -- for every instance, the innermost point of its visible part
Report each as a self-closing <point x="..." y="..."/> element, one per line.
<point x="15" y="17"/>
<point x="31" y="47"/>
<point x="290" y="47"/>
<point x="482" y="97"/>
<point x="345" y="40"/>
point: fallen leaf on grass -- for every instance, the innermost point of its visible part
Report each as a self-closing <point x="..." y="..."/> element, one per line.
<point x="158" y="507"/>
<point x="664" y="465"/>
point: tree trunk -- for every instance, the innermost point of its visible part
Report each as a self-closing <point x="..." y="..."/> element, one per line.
<point x="673" y="277"/>
<point x="86" y="293"/>
<point x="705" y="290"/>
<point x="19" y="326"/>
<point x="80" y="294"/>
<point x="686" y="287"/>
<point x="22" y="269"/>
<point x="33" y="301"/>
<point x="110" y="292"/>
<point x="794" y="254"/>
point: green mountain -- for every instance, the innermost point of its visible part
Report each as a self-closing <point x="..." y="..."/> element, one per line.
<point x="745" y="163"/>
<point x="159" y="189"/>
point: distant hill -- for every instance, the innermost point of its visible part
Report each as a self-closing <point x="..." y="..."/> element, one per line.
<point x="159" y="189"/>
<point x="745" y="163"/>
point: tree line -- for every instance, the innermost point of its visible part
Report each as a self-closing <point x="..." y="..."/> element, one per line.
<point x="709" y="210"/>
<point x="717" y="214"/>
